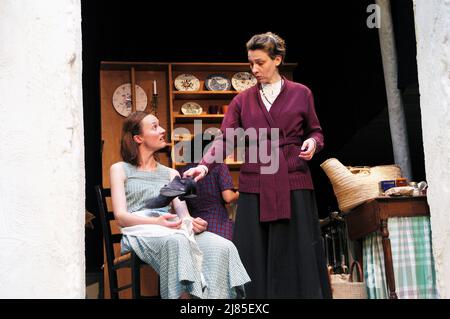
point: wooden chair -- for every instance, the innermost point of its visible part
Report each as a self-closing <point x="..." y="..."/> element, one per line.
<point x="129" y="260"/>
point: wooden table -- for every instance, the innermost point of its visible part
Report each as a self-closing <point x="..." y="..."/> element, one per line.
<point x="373" y="215"/>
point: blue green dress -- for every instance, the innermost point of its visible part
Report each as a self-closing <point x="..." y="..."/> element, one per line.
<point x="171" y="256"/>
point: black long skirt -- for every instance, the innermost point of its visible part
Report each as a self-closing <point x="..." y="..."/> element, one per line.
<point x="284" y="259"/>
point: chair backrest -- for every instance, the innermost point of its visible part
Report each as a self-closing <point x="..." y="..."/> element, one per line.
<point x="109" y="238"/>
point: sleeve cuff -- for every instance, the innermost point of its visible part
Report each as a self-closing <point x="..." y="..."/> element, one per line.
<point x="315" y="142"/>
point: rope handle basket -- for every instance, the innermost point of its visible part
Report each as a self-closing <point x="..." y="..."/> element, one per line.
<point x="359" y="169"/>
<point x="360" y="272"/>
<point x="354" y="185"/>
<point x="344" y="287"/>
<point x="346" y="275"/>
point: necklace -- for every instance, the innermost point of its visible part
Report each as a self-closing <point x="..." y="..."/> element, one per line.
<point x="264" y="94"/>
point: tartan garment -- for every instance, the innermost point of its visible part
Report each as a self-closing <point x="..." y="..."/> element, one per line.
<point x="209" y="204"/>
<point x="412" y="258"/>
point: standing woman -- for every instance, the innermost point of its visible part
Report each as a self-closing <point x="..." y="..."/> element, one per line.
<point x="277" y="229"/>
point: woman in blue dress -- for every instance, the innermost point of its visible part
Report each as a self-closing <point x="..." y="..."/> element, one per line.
<point x="191" y="262"/>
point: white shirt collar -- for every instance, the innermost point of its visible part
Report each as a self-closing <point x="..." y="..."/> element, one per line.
<point x="275" y="85"/>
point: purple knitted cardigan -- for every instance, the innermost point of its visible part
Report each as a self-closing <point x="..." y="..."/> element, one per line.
<point x="293" y="113"/>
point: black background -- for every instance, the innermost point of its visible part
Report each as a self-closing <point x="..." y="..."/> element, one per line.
<point x="338" y="58"/>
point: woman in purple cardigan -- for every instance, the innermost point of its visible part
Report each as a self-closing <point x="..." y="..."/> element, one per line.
<point x="276" y="231"/>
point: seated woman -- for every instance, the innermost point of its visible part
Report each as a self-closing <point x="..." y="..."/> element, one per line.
<point x="214" y="191"/>
<point x="166" y="244"/>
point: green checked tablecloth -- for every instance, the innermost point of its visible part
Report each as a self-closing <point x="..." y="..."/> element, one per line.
<point x="412" y="257"/>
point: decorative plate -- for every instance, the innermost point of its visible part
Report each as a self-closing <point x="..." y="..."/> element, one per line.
<point x="217" y="82"/>
<point x="191" y="108"/>
<point x="122" y="100"/>
<point x="187" y="82"/>
<point x="243" y="80"/>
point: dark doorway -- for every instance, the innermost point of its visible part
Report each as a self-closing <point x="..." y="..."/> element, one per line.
<point x="338" y="57"/>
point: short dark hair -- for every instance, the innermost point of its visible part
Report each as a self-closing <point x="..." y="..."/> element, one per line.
<point x="270" y="43"/>
<point x="128" y="147"/>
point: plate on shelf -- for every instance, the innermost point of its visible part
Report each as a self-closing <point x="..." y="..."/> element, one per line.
<point x="243" y="80"/>
<point x="122" y="100"/>
<point x="217" y="82"/>
<point x="191" y="108"/>
<point x="187" y="82"/>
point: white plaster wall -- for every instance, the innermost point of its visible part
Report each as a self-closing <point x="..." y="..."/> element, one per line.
<point x="41" y="150"/>
<point x="432" y="18"/>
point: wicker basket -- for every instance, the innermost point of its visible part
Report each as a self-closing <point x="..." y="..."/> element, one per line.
<point x="355" y="185"/>
<point x="344" y="287"/>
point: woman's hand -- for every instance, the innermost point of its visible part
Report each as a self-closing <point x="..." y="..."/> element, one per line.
<point x="169" y="220"/>
<point x="199" y="225"/>
<point x="308" y="149"/>
<point x="196" y="172"/>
